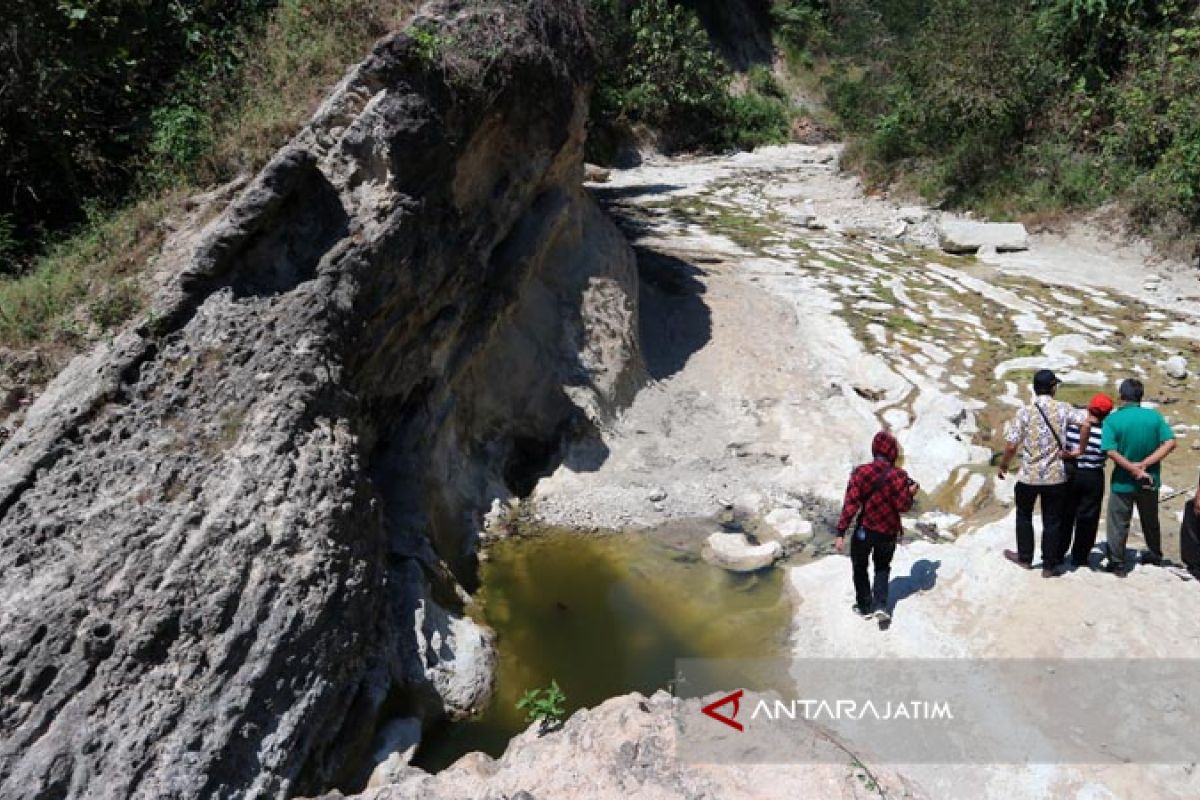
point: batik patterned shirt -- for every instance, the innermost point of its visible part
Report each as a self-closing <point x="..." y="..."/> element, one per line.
<point x="1039" y="442"/>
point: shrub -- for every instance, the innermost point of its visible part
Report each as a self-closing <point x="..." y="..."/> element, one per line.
<point x="659" y="69"/>
<point x="799" y="24"/>
<point x="753" y="120"/>
<point x="543" y="705"/>
<point x="182" y="135"/>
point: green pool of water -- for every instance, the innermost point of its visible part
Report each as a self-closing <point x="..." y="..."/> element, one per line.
<point x="606" y="615"/>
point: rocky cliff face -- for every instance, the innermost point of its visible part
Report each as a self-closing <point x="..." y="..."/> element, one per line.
<point x="233" y="541"/>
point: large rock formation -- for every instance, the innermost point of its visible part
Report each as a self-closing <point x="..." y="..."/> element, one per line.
<point x="233" y="541"/>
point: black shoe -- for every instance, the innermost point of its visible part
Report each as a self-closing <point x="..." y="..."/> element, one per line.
<point x="862" y="611"/>
<point x="1118" y="570"/>
<point x="1150" y="560"/>
<point x="1050" y="572"/>
<point x="1014" y="557"/>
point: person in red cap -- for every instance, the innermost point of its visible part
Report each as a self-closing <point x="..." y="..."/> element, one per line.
<point x="878" y="492"/>
<point x="1085" y="484"/>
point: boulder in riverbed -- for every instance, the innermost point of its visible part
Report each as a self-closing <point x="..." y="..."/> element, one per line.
<point x="965" y="236"/>
<point x="734" y="552"/>
<point x="1176" y="367"/>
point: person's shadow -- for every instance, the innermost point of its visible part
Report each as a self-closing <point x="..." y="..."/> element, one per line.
<point x="920" y="578"/>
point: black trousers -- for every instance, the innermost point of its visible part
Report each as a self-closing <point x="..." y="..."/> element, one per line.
<point x="1081" y="515"/>
<point x="1189" y="538"/>
<point x="875" y="547"/>
<point x="1026" y="495"/>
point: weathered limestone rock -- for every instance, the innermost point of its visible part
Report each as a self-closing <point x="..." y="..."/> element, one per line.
<point x="789" y="525"/>
<point x="733" y="551"/>
<point x="395" y="747"/>
<point x="1176" y="367"/>
<point x="965" y="236"/>
<point x="230" y="536"/>
<point x="626" y="748"/>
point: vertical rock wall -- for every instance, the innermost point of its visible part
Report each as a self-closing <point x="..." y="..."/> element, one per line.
<point x="234" y="538"/>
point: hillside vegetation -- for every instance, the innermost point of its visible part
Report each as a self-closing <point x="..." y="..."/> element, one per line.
<point x="112" y="112"/>
<point x="1016" y="106"/>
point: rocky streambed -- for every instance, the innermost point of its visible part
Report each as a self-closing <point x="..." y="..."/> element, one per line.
<point x="787" y="316"/>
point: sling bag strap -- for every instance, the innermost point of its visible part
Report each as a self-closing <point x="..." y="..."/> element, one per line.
<point x="1050" y="425"/>
<point x="874" y="488"/>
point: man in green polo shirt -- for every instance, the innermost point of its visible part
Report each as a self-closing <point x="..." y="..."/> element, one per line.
<point x="1136" y="439"/>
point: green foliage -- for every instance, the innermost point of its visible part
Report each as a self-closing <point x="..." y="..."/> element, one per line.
<point x="659" y="69"/>
<point x="90" y="278"/>
<point x="672" y="75"/>
<point x="543" y="705"/>
<point x="428" y="43"/>
<point x="799" y="24"/>
<point x="752" y="120"/>
<point x="79" y="80"/>
<point x="182" y="135"/>
<point x="221" y="102"/>
<point x="1030" y="107"/>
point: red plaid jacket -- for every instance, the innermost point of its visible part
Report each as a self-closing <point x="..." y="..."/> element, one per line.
<point x="884" y="505"/>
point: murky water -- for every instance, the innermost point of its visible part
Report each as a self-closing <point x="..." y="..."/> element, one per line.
<point x="606" y="615"/>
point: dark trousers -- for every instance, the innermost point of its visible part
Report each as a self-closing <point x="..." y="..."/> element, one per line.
<point x="1120" y="512"/>
<point x="1081" y="515"/>
<point x="877" y="547"/>
<point x="1189" y="538"/>
<point x="1026" y="495"/>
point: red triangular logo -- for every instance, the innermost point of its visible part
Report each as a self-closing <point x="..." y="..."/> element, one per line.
<point x="735" y="698"/>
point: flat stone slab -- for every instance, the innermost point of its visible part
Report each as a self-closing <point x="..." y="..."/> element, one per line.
<point x="964" y="237"/>
<point x="733" y="551"/>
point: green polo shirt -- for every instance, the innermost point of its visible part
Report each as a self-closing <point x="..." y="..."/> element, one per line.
<point x="1135" y="433"/>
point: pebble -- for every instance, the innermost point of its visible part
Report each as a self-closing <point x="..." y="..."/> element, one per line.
<point x="657" y="495"/>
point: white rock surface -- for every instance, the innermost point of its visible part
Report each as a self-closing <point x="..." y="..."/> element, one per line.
<point x="965" y="236"/>
<point x="734" y="552"/>
<point x="625" y="749"/>
<point x="788" y="524"/>
<point x="964" y="600"/>
<point x="1176" y="367"/>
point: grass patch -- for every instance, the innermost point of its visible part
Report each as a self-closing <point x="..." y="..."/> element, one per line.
<point x="87" y="284"/>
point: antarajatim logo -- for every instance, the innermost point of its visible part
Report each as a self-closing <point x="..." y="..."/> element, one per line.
<point x="735" y="698"/>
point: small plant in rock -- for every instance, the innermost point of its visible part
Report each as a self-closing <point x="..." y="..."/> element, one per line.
<point x="544" y="705"/>
<point x="428" y="44"/>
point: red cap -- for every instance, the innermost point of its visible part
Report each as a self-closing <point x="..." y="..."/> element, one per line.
<point x="1100" y="404"/>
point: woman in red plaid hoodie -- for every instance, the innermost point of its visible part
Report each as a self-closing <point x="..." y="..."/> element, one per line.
<point x="877" y="494"/>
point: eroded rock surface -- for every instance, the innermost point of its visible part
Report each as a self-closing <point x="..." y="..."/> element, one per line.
<point x="233" y="540"/>
<point x="626" y="747"/>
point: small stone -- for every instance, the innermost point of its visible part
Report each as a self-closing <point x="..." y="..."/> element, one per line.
<point x="657" y="495"/>
<point x="1176" y="367"/>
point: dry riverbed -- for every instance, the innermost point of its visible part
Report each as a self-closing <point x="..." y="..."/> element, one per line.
<point x="786" y="317"/>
